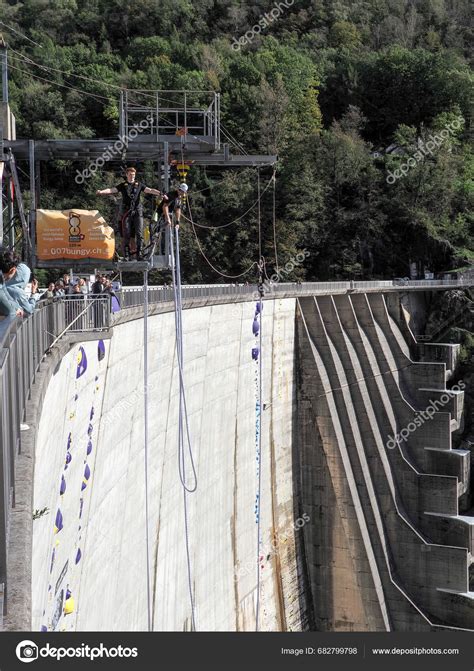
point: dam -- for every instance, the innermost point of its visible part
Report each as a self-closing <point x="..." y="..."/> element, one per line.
<point x="364" y="503"/>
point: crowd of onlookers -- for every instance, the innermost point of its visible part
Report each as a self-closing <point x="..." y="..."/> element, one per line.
<point x="80" y="287"/>
<point x="20" y="293"/>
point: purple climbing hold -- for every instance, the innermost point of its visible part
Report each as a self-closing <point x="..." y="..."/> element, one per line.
<point x="68" y="593"/>
<point x="92" y="413"/>
<point x="62" y="487"/>
<point x="255" y="327"/>
<point x="100" y="350"/>
<point x="69" y="439"/>
<point x="89" y="447"/>
<point x="81" y="505"/>
<point x="90" y="429"/>
<point x="78" y="556"/>
<point x="81" y="362"/>
<point x="43" y="628"/>
<point x="68" y="457"/>
<point x="257" y="308"/>
<point x="255" y="353"/>
<point x="58" y="525"/>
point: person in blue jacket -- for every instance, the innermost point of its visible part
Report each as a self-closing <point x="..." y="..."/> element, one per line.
<point x="16" y="285"/>
<point x="8" y="305"/>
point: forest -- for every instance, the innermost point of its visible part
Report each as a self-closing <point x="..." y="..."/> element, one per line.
<point x="350" y="95"/>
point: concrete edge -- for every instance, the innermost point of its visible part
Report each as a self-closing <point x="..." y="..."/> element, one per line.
<point x="20" y="545"/>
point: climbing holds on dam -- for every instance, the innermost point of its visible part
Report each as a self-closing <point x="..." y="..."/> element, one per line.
<point x="81" y="363"/>
<point x="69" y="603"/>
<point x="64" y="559"/>
<point x="100" y="350"/>
<point x="87" y="475"/>
<point x="58" y="525"/>
<point x="257" y="357"/>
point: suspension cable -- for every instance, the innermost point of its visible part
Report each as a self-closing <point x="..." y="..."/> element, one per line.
<point x="219" y="272"/>
<point x="274" y="223"/>
<point x="234" y="221"/>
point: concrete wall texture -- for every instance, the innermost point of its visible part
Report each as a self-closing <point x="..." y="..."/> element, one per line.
<point x="355" y="536"/>
<point x="109" y="582"/>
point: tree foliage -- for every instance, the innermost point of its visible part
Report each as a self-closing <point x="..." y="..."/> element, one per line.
<point x="344" y="91"/>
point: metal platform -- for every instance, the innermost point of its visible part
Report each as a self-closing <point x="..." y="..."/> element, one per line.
<point x="167" y="127"/>
<point x="151" y="149"/>
<point x="156" y="262"/>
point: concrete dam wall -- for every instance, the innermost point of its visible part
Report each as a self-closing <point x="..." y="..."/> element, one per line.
<point x="361" y="530"/>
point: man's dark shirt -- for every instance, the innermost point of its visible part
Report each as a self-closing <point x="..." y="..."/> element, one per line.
<point x="97" y="288"/>
<point x="173" y="199"/>
<point x="131" y="195"/>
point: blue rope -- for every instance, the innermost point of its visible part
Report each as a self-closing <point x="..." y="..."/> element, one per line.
<point x="183" y="421"/>
<point x="145" y="399"/>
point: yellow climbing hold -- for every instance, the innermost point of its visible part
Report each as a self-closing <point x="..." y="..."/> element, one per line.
<point x="69" y="606"/>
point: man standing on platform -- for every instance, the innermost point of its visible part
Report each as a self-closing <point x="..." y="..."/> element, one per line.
<point x="131" y="216"/>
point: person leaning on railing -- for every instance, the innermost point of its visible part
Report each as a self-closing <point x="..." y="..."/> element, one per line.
<point x="9" y="307"/>
<point x="16" y="275"/>
<point x="49" y="293"/>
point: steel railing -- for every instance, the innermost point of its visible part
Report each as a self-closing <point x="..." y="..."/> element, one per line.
<point x="133" y="297"/>
<point x="23" y="344"/>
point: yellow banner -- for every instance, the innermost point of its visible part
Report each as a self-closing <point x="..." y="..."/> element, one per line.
<point x="73" y="235"/>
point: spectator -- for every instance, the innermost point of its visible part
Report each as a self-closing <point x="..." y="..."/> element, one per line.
<point x="76" y="291"/>
<point x="100" y="300"/>
<point x="16" y="285"/>
<point x="8" y="306"/>
<point x="83" y="286"/>
<point x="74" y="309"/>
<point x="114" y="301"/>
<point x="49" y="293"/>
<point x="59" y="289"/>
<point x="34" y="288"/>
<point x="68" y="285"/>
<point x="98" y="286"/>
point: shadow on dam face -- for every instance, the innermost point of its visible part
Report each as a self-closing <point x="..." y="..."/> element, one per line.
<point x="324" y="541"/>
